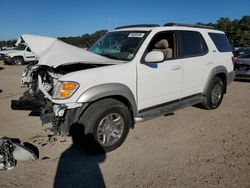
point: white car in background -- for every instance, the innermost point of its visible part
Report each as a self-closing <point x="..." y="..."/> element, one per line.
<point x="22" y="54"/>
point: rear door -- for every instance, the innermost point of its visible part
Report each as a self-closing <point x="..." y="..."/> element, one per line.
<point x="196" y="66"/>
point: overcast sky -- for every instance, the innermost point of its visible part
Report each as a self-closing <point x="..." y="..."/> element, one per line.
<point x="75" y="17"/>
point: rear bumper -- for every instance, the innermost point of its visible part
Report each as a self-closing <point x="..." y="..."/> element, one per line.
<point x="242" y="74"/>
<point x="230" y="77"/>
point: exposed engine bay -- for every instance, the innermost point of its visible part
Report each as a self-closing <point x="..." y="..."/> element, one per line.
<point x="41" y="80"/>
<point x="49" y="75"/>
<point x="55" y="59"/>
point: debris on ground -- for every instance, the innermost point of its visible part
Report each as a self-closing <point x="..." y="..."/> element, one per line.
<point x="12" y="150"/>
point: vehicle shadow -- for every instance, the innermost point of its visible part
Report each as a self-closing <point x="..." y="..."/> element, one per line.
<point x="242" y="80"/>
<point x="1" y="91"/>
<point x="76" y="166"/>
<point x="1" y="68"/>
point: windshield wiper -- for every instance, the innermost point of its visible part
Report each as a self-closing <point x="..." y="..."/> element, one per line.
<point x="110" y="56"/>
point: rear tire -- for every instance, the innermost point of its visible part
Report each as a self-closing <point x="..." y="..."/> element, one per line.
<point x="214" y="94"/>
<point x="106" y="123"/>
<point x="17" y="61"/>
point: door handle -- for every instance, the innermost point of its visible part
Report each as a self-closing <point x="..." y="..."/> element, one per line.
<point x="176" y="67"/>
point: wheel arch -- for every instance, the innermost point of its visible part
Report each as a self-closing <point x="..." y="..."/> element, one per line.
<point x="219" y="71"/>
<point x="116" y="91"/>
<point x="18" y="56"/>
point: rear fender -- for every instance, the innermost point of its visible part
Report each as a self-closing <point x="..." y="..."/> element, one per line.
<point x="215" y="71"/>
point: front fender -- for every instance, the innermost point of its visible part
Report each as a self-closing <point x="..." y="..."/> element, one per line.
<point x="106" y="90"/>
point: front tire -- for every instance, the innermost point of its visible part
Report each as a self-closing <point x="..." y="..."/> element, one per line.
<point x="17" y="61"/>
<point x="214" y="94"/>
<point x="106" y="123"/>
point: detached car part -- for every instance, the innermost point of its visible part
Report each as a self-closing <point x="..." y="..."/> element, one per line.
<point x="11" y="151"/>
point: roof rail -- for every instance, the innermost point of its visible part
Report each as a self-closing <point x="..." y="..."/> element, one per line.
<point x="190" y="25"/>
<point x="138" y="25"/>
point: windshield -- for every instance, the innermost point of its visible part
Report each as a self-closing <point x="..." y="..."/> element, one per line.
<point x="20" y="47"/>
<point x="120" y="45"/>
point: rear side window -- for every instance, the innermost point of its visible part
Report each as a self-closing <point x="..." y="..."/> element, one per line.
<point x="221" y="42"/>
<point x="28" y="49"/>
<point x="192" y="44"/>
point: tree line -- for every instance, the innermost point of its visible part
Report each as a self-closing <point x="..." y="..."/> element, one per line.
<point x="84" y="41"/>
<point x="237" y="30"/>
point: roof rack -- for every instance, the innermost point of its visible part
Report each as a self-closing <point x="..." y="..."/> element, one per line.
<point x="190" y="25"/>
<point x="138" y="25"/>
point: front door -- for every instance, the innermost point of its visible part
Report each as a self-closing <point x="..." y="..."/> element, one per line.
<point x="162" y="82"/>
<point x="29" y="55"/>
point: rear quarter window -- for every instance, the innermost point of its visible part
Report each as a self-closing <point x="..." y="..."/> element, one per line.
<point x="221" y="42"/>
<point x="192" y="44"/>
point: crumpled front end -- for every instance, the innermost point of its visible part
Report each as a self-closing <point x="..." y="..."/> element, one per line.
<point x="41" y="82"/>
<point x="36" y="78"/>
<point x="56" y="59"/>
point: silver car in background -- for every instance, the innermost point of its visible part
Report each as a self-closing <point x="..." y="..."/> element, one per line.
<point x="242" y="66"/>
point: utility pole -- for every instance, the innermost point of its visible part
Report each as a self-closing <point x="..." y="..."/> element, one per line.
<point x="112" y="23"/>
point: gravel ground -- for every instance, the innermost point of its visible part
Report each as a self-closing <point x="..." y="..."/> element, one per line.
<point x="192" y="148"/>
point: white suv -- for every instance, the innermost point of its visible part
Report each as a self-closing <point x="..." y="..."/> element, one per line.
<point x="131" y="74"/>
<point x="19" y="55"/>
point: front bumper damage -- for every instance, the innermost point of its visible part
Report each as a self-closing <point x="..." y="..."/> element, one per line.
<point x="62" y="116"/>
<point x="67" y="117"/>
<point x="38" y="99"/>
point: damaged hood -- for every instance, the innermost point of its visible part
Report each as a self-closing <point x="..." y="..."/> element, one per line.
<point x="54" y="52"/>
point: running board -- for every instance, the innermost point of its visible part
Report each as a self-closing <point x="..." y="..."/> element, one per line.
<point x="168" y="108"/>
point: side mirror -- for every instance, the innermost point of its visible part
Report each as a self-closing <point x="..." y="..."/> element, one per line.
<point x="155" y="57"/>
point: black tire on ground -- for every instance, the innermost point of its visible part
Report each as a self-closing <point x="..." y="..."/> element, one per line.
<point x="214" y="94"/>
<point x="106" y="125"/>
<point x="17" y="61"/>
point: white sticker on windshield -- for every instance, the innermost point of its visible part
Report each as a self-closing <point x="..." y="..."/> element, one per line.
<point x="138" y="35"/>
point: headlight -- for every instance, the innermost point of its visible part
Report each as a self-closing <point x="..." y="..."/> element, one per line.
<point x="64" y="90"/>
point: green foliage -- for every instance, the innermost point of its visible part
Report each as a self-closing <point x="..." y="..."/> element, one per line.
<point x="238" y="31"/>
<point x="7" y="43"/>
<point x="84" y="41"/>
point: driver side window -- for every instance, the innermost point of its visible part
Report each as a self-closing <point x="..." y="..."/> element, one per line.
<point x="165" y="42"/>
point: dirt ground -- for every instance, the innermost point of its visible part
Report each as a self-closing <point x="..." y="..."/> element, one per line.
<point x="192" y="148"/>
